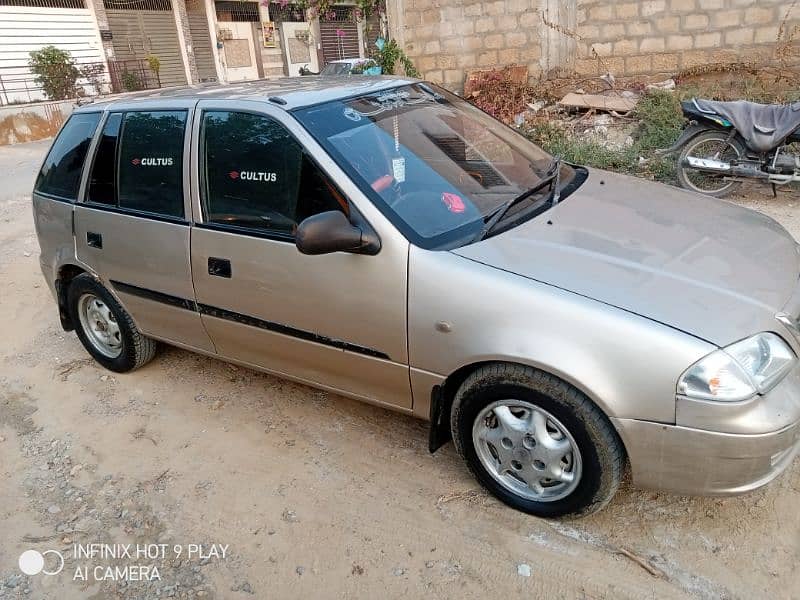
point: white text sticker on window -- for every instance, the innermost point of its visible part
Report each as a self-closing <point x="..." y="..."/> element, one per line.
<point x="399" y="169"/>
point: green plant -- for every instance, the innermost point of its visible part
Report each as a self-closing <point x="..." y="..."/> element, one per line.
<point x="360" y="67"/>
<point x="155" y="63"/>
<point x="389" y="54"/>
<point x="131" y="81"/>
<point x="55" y="71"/>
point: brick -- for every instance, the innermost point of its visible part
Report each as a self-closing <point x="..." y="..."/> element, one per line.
<point x="759" y="16"/>
<point x="507" y="23"/>
<point x="473" y="42"/>
<point x="493" y="41"/>
<point x="682" y="5"/>
<point x="696" y="21"/>
<point x="445" y="61"/>
<point x="515" y="40"/>
<point x="453" y="45"/>
<point x="588" y="32"/>
<point x="638" y="64"/>
<point x="434" y="76"/>
<point x="695" y="58"/>
<point x="726" y="18"/>
<point x="708" y="40"/>
<point x="738" y="37"/>
<point x="485" y="24"/>
<point x="433" y="47"/>
<point x="452" y="76"/>
<point x="495" y="8"/>
<point x="465" y="27"/>
<point x="653" y="7"/>
<point x="473" y="10"/>
<point x="587" y="66"/>
<point x="665" y="63"/>
<point x="625" y="47"/>
<point x="613" y="31"/>
<point x="680" y="42"/>
<point x="668" y="24"/>
<point x="487" y="58"/>
<point x="639" y="28"/>
<point x="451" y="13"/>
<point x="628" y="10"/>
<point x="655" y="44"/>
<point x="426" y="63"/>
<point x="467" y="59"/>
<point x="529" y="19"/>
<point x="767" y="34"/>
<point x="519" y="6"/>
<point x="604" y="49"/>
<point x="601" y="13"/>
<point x="711" y="4"/>
<point x="508" y="56"/>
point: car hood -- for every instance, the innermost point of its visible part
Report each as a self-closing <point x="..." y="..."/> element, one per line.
<point x="698" y="264"/>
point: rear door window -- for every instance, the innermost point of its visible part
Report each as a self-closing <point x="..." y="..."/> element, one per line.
<point x="150" y="159"/>
<point x="103" y="178"/>
<point x="61" y="173"/>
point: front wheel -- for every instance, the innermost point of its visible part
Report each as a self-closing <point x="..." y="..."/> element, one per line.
<point x="535" y="442"/>
<point x="713" y="145"/>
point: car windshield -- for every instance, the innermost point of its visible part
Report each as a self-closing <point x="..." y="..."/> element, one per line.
<point x="336" y="69"/>
<point x="437" y="166"/>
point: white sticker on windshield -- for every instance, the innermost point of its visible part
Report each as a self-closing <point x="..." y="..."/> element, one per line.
<point x="399" y="169"/>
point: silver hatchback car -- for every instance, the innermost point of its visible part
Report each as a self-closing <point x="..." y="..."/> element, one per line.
<point x="383" y="239"/>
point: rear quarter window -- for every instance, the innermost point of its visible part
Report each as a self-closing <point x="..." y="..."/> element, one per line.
<point x="61" y="172"/>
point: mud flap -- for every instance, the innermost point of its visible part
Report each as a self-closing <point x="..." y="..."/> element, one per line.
<point x="63" y="313"/>
<point x="439" y="433"/>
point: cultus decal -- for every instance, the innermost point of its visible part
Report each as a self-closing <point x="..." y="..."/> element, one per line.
<point x="153" y="161"/>
<point x="253" y="176"/>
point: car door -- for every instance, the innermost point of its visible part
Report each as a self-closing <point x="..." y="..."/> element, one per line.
<point x="336" y="320"/>
<point x="132" y="230"/>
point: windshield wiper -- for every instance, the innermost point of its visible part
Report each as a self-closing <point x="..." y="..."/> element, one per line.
<point x="552" y="177"/>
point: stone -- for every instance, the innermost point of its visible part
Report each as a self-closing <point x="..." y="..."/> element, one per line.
<point x="53" y="509"/>
<point x="524" y="570"/>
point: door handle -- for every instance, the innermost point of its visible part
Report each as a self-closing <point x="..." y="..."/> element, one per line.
<point x="219" y="267"/>
<point x="94" y="240"/>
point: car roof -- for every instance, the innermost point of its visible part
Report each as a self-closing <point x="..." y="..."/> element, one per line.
<point x="284" y="92"/>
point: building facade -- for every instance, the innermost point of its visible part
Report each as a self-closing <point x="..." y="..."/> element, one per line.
<point x="140" y="44"/>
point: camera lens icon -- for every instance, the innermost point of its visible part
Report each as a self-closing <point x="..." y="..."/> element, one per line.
<point x="31" y="562"/>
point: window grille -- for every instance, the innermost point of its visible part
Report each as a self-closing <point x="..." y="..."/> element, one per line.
<point x="44" y="3"/>
<point x="237" y="10"/>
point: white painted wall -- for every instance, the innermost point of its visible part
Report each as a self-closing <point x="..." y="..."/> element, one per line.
<point x="23" y="29"/>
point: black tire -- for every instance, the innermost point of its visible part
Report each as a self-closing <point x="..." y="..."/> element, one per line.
<point x="137" y="349"/>
<point x="711" y="136"/>
<point x="602" y="453"/>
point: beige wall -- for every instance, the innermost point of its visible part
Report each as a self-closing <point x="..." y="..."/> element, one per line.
<point x="664" y="36"/>
<point x="446" y="38"/>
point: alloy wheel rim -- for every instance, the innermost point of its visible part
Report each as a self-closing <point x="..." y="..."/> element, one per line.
<point x="527" y="450"/>
<point x="100" y="325"/>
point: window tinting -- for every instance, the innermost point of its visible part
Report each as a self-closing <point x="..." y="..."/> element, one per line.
<point x="256" y="175"/>
<point x="151" y="162"/>
<point x="102" y="180"/>
<point x="61" y="172"/>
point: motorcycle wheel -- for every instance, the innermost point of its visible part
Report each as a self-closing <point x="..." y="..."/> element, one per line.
<point x="714" y="145"/>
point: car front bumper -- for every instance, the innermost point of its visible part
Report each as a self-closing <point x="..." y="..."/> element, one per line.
<point x="690" y="461"/>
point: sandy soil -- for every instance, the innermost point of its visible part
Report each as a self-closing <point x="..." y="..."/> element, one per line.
<point x="314" y="495"/>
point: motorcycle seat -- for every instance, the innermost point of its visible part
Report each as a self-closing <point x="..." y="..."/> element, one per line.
<point x="763" y="126"/>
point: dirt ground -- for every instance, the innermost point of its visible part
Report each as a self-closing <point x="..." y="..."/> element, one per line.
<point x="312" y="495"/>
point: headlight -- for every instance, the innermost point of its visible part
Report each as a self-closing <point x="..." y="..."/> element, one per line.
<point x="737" y="372"/>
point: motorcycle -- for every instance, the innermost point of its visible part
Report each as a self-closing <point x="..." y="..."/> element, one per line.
<point x="726" y="143"/>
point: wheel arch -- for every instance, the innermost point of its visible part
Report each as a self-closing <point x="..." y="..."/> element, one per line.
<point x="66" y="273"/>
<point x="443" y="395"/>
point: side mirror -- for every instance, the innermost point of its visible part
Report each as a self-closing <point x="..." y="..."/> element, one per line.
<point x="331" y="232"/>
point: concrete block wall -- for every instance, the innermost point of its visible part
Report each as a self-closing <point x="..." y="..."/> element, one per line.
<point x="447" y="38"/>
<point x="665" y="36"/>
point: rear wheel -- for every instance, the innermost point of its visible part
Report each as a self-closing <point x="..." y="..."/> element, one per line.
<point x="105" y="329"/>
<point x="536" y="442"/>
<point x="712" y="145"/>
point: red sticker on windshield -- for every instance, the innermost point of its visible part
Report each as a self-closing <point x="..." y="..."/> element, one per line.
<point x="453" y="202"/>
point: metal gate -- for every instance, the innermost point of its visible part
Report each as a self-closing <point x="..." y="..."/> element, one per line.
<point x="147" y="27"/>
<point x="340" y="35"/>
<point x="201" y="40"/>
